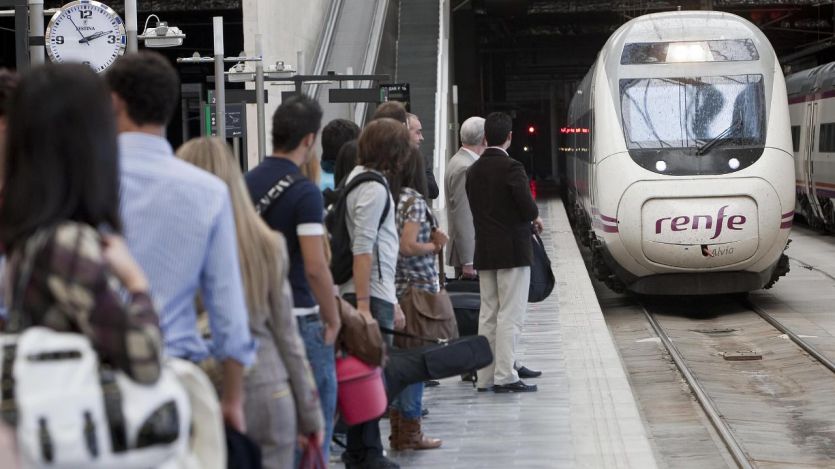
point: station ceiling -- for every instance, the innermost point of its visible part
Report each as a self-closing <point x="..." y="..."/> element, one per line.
<point x="563" y="36"/>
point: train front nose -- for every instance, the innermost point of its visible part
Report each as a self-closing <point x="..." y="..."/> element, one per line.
<point x="699" y="232"/>
<point x="700" y="225"/>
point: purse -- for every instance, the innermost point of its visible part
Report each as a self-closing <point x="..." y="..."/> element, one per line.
<point x="427" y="314"/>
<point x="360" y="335"/>
<point x="312" y="456"/>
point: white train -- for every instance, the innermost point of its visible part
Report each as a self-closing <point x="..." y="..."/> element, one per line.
<point x="812" y="112"/>
<point x="679" y="166"/>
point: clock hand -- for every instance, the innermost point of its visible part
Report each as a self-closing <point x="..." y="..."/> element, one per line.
<point x="76" y="28"/>
<point x="94" y="36"/>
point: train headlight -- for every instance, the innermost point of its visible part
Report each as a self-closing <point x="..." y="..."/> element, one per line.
<point x="733" y="163"/>
<point x="689" y="52"/>
<point x="660" y="166"/>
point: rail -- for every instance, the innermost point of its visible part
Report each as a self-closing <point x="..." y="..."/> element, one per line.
<point x="722" y="428"/>
<point x="806" y="346"/>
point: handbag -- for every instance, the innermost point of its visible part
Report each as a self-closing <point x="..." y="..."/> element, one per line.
<point x="542" y="277"/>
<point x="242" y="451"/>
<point x="360" y="335"/>
<point x="312" y="457"/>
<point x="361" y="393"/>
<point x="427" y="314"/>
<point x="70" y="410"/>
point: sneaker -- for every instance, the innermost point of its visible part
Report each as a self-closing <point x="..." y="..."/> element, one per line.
<point x="518" y="386"/>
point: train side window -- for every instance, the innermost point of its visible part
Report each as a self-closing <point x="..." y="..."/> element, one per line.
<point x="827" y="138"/>
<point x="796" y="138"/>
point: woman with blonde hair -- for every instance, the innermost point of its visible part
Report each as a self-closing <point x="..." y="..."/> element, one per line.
<point x="281" y="401"/>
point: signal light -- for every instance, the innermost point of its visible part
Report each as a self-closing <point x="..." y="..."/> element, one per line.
<point x="531" y="130"/>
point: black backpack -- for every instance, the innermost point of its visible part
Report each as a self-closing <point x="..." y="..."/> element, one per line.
<point x="342" y="257"/>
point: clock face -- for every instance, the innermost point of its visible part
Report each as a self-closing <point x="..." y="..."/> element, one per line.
<point x="86" y="31"/>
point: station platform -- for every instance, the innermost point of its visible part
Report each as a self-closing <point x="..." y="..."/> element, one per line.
<point x="584" y="414"/>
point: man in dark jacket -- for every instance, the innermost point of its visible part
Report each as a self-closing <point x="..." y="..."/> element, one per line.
<point x="503" y="210"/>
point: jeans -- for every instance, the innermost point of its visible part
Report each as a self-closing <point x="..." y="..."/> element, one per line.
<point x="364" y="440"/>
<point x="410" y="401"/>
<point x="323" y="363"/>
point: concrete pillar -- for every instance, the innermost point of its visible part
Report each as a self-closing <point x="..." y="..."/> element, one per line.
<point x="286" y="26"/>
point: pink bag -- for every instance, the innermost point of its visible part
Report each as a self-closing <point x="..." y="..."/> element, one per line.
<point x="361" y="394"/>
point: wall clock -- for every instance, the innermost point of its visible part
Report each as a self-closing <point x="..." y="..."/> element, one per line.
<point x="86" y="31"/>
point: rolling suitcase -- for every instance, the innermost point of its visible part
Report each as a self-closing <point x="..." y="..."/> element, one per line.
<point x="466" y="306"/>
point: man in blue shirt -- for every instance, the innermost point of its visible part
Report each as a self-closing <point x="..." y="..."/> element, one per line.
<point x="180" y="228"/>
<point x="297" y="214"/>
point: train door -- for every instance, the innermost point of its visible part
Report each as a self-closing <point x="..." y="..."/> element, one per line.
<point x="589" y="124"/>
<point x="808" y="163"/>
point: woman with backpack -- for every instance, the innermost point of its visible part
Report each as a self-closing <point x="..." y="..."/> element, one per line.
<point x="69" y="267"/>
<point x="417" y="269"/>
<point x="370" y="233"/>
<point x="281" y="405"/>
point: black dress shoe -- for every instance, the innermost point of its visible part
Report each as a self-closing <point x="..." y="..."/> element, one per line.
<point x="518" y="386"/>
<point x="525" y="372"/>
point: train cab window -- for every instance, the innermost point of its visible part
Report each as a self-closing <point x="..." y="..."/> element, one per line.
<point x="731" y="50"/>
<point x="796" y="138"/>
<point x="693" y="119"/>
<point x="826" y="143"/>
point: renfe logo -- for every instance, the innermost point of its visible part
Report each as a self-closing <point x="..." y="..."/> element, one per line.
<point x="684" y="223"/>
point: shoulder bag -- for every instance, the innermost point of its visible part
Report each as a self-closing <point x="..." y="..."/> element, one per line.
<point x="427" y="314"/>
<point x="360" y="335"/>
<point x="542" y="277"/>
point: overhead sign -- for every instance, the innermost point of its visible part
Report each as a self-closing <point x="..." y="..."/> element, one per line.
<point x="395" y="92"/>
<point x="235" y="120"/>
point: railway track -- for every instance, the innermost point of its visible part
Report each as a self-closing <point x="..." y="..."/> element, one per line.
<point x="713" y="407"/>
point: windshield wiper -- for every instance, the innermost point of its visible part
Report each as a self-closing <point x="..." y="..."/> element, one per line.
<point x="709" y="144"/>
<point x="712" y="142"/>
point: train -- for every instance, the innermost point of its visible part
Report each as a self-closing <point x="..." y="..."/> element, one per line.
<point x="679" y="162"/>
<point x="812" y="118"/>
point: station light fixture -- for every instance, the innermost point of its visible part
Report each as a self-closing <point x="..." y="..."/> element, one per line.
<point x="162" y="35"/>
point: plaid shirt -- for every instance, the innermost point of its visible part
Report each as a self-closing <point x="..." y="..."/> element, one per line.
<point x="71" y="289"/>
<point x="417" y="271"/>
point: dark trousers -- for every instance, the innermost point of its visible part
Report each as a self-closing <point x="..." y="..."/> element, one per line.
<point x="364" y="440"/>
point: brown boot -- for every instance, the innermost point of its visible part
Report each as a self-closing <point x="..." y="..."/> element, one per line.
<point x="413" y="437"/>
<point x="395" y="419"/>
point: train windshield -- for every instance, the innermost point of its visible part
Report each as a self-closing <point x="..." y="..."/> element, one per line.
<point x="684" y="113"/>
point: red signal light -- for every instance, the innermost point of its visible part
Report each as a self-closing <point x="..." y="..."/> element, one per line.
<point x="531" y="130"/>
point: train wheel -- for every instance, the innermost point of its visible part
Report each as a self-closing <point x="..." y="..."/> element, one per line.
<point x="806" y="210"/>
<point x="829" y="213"/>
<point x="782" y="269"/>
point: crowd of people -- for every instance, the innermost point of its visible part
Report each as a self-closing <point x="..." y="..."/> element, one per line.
<point x="153" y="253"/>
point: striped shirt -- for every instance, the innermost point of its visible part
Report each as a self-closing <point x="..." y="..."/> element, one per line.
<point x="180" y="228"/>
